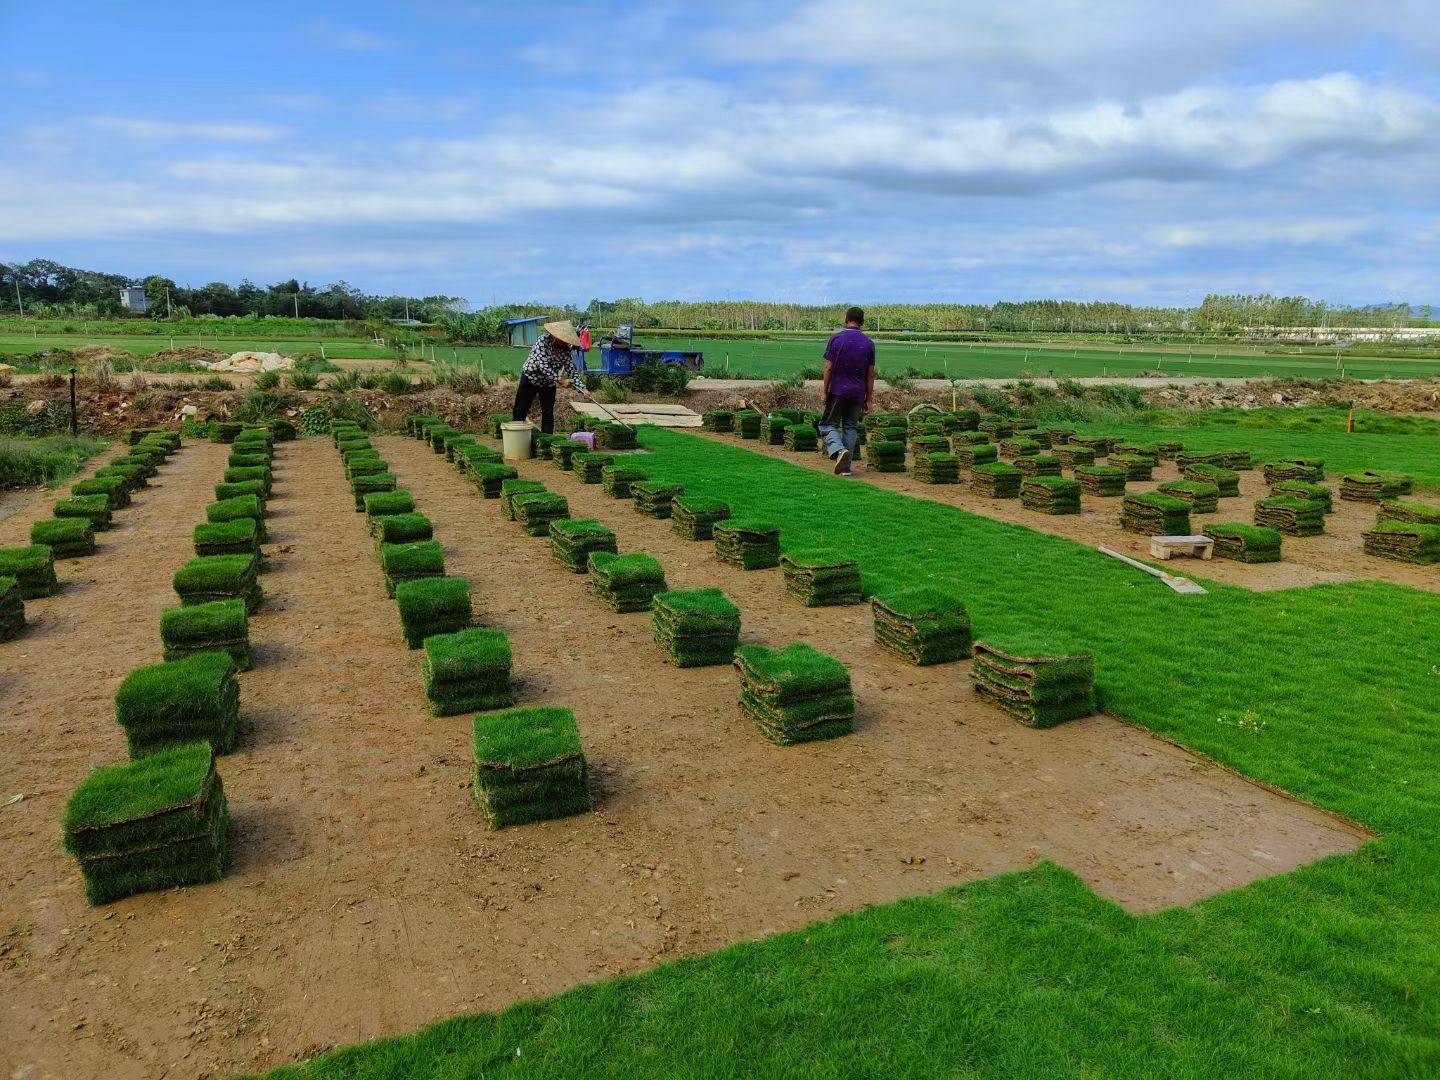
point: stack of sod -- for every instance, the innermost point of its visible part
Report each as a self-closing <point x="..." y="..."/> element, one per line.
<point x="1367" y="486"/>
<point x="12" y="609"/>
<point x="1293" y="517"/>
<point x="224" y="431"/>
<point x="243" y="459"/>
<point x="801" y="437"/>
<point x="1236" y="459"/>
<point x="1059" y="436"/>
<point x="477" y="455"/>
<point x="1035" y="435"/>
<point x="1015" y="446"/>
<point x="411" y="562"/>
<point x="970" y="455"/>
<point x="696" y="627"/>
<point x="873" y="422"/>
<point x="1304" y="489"/>
<point x="418" y="421"/>
<point x="235" y="491"/>
<point x="114" y="488"/>
<point x="997" y="427"/>
<point x="401" y="528"/>
<point x="92" y="508"/>
<point x="360" y="486"/>
<point x="563" y="451"/>
<point x="937" y="468"/>
<point x="615" y="437"/>
<point x="1038" y="465"/>
<point x="238" y="537"/>
<point x="1103" y="480"/>
<point x="437" y="435"/>
<point x="1404" y="541"/>
<point x="66" y="537"/>
<point x="1245" y="543"/>
<point x="821" y="578"/>
<point x="344" y="429"/>
<point x="260" y="473"/>
<point x="591" y="467"/>
<point x="363" y="463"/>
<point x="219" y="577"/>
<point x="654" y="499"/>
<point x="1294" y="469"/>
<point x="619" y="480"/>
<point x="382" y="504"/>
<point x="219" y="626"/>
<point x="747" y="423"/>
<point x="929" y="444"/>
<point x="432" y="605"/>
<point x="924" y="625"/>
<point x="239" y="508"/>
<point x="573" y="539"/>
<point x="796" y="694"/>
<point x="626" y="582"/>
<point x="462" y="440"/>
<point x="1198" y="457"/>
<point x="750" y="545"/>
<point x="1136" y="466"/>
<point x="1051" y="495"/>
<point x="886" y="455"/>
<point x="511" y="489"/>
<point x="1153" y="514"/>
<point x="132" y="472"/>
<point x="32" y="569"/>
<point x="1141" y="449"/>
<point x="488" y="476"/>
<point x="1074" y="457"/>
<point x="537" y="509"/>
<point x="996" y="480"/>
<point x="719" y="420"/>
<point x="157" y="823"/>
<point x="134" y="435"/>
<point x="285" y="430"/>
<point x="529" y="766"/>
<point x="968" y="438"/>
<point x="148" y="459"/>
<point x="960" y="420"/>
<point x="467" y="671"/>
<point x="1168" y="449"/>
<point x="1040" y="691"/>
<point x="1101" y="444"/>
<point x="193" y="698"/>
<point x="1202" y="497"/>
<point x="1414" y="513"/>
<point x="772" y="428"/>
<point x="694" y="517"/>
<point x="1227" y="480"/>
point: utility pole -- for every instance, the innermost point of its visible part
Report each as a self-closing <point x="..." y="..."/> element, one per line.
<point x="169" y="311"/>
<point x="296" y="298"/>
<point x="19" y="302"/>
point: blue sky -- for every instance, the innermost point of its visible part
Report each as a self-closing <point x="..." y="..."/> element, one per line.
<point x="869" y="150"/>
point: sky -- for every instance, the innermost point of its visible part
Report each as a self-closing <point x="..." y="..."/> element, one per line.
<point x="821" y="151"/>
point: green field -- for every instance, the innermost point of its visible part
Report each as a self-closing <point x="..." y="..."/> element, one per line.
<point x="1330" y="692"/>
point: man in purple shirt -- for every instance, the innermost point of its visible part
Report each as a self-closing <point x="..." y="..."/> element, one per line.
<point x="849" y="386"/>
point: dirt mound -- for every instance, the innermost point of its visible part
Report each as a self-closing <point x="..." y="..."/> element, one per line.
<point x="190" y="354"/>
<point x="99" y="354"/>
<point x="1409" y="395"/>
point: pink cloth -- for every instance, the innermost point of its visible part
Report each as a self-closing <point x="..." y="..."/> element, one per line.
<point x="587" y="437"/>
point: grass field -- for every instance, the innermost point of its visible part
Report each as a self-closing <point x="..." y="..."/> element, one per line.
<point x="46" y="460"/>
<point x="1331" y="693"/>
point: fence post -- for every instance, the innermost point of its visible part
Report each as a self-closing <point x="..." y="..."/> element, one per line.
<point x="74" y="412"/>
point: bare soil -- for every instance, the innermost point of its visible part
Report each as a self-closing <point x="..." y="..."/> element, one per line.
<point x="367" y="897"/>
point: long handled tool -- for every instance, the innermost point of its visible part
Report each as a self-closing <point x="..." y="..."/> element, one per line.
<point x="586" y="394"/>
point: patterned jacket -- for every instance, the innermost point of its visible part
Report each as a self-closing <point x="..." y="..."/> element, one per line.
<point x="549" y="362"/>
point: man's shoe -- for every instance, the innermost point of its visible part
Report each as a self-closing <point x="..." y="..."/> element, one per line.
<point x="842" y="463"/>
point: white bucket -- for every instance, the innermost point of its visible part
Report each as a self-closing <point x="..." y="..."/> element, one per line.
<point x="517" y="440"/>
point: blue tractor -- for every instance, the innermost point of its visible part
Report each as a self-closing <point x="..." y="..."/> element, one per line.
<point x="620" y="356"/>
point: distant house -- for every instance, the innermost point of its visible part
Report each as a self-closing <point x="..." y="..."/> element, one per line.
<point x="524" y="331"/>
<point x="133" y="298"/>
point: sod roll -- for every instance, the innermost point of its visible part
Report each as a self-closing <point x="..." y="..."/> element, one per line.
<point x="66" y="537"/>
<point x="132" y="474"/>
<point x="1038" y="465"/>
<point x="535" y="510"/>
<point x="590" y="467"/>
<point x="718" y="420"/>
<point x="996" y="480"/>
<point x="563" y="451"/>
<point x="1051" y="495"/>
<point x="403" y="528"/>
<point x="379" y="504"/>
<point x="513" y="488"/>
<point x="937" y="468"/>
<point x="1040" y="691"/>
<point x="821" y="578"/>
<point x="219" y="577"/>
<point x="1202" y="497"/>
<point x="488" y="476"/>
<point x="1295" y="468"/>
<point x="467" y="671"/>
<point x="92" y="508"/>
<point x="573" y="539"/>
<point x="432" y="605"/>
<point x="529" y="766"/>
<point x="801" y="437"/>
<point x="1153" y="514"/>
<point x="238" y="537"/>
<point x="115" y="489"/>
<point x="239" y="508"/>
<point x="694" y="516"/>
<point x="361" y="486"/>
<point x="1074" y="457"/>
<point x="1245" y="543"/>
<point x="615" y="437"/>
<point x="655" y="499"/>
<point x="224" y="492"/>
<point x="924" y="625"/>
<point x="410" y="562"/>
<point x="626" y="582"/>
<point x="32" y="569"/>
<point x="1014" y="447"/>
<point x="192" y="698"/>
<point x="696" y="627"/>
<point x="1404" y="541"/>
<point x="886" y="455"/>
<point x="1414" y="513"/>
<point x="747" y="423"/>
<point x="1227" y="480"/>
<point x="1136" y="466"/>
<point x="618" y="480"/>
<point x="218" y="626"/>
<point x="1306" y="489"/>
<point x="1375" y="487"/>
<point x="748" y="544"/>
<point x="1293" y="517"/>
<point x="795" y="694"/>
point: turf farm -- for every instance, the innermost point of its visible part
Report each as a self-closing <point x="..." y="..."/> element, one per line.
<point x="369" y="753"/>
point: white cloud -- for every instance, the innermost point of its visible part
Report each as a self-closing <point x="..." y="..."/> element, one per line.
<point x="132" y="127"/>
<point x="352" y="39"/>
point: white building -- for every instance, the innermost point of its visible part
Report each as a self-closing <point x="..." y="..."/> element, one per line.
<point x="133" y="298"/>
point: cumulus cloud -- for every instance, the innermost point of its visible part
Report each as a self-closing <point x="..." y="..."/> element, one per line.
<point x="134" y="127"/>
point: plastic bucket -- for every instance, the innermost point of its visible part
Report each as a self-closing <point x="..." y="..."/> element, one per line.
<point x="517" y="439"/>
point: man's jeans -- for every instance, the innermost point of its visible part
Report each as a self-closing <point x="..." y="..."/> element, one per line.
<point x="840" y="425"/>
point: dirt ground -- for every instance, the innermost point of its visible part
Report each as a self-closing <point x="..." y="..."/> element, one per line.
<point x="1335" y="556"/>
<point x="367" y="897"/>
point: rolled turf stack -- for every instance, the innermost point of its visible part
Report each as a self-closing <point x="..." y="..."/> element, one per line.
<point x="619" y="480"/>
<point x="573" y="539"/>
<point x="383" y="504"/>
<point x="1238" y="460"/>
<point x="223" y="431"/>
<point x="261" y="473"/>
<point x="529" y="766"/>
<point x="929" y="444"/>
<point x="1305" y="489"/>
<point x="1074" y="457"/>
<point x="996" y="480"/>
<point x="886" y="456"/>
<point x="487" y="476"/>
<point x="1015" y="446"/>
<point x="924" y="625"/>
<point x="92" y="508"/>
<point x="239" y="508"/>
<point x="937" y="468"/>
<point x="1139" y="449"/>
<point x="563" y="451"/>
<point x="1100" y="444"/>
<point x="1375" y="487"/>
<point x="1059" y="436"/>
<point x="238" y="537"/>
<point x="750" y="545"/>
<point x="437" y="435"/>
<point x="411" y="562"/>
<point x="615" y="437"/>
<point x="114" y="488"/>
<point x="972" y="455"/>
<point x="510" y="490"/>
<point x="1035" y="435"/>
<point x="219" y="626"/>
<point x="590" y="467"/>
<point x="1296" y="468"/>
<point x="1404" y="541"/>
<point x="471" y="456"/>
<point x="1051" y="495"/>
<point x="1293" y="517"/>
<point x="821" y="578"/>
<point x="66" y="537"/>
<point x="1136" y="466"/>
<point x="696" y="627"/>
<point x="194" y="698"/>
<point x="801" y="437"/>
<point x="1227" y="480"/>
<point x="961" y="420"/>
<point x="796" y="694"/>
<point x="694" y="516"/>
<point x="133" y="473"/>
<point x="219" y="577"/>
<point x="718" y="420"/>
<point x="997" y="428"/>
<point x="1245" y="543"/>
<point x="467" y="671"/>
<point x="432" y="605"/>
<point x="1038" y="465"/>
<point x="747" y="423"/>
<point x="32" y="569"/>
<point x="968" y="438"/>
<point x="626" y="582"/>
<point x="1413" y="513"/>
<point x="655" y="499"/>
<point x="1039" y="691"/>
<point x="12" y="609"/>
<point x="361" y="486"/>
<point x="157" y="823"/>
<point x="401" y="528"/>
<point x="537" y="509"/>
<point x="1168" y="449"/>
<point x="1153" y="514"/>
<point x="772" y="428"/>
<point x="1201" y="497"/>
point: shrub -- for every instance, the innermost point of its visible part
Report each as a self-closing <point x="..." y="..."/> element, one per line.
<point x="468" y="671"/>
<point x="178" y="702"/>
<point x="304" y="380"/>
<point x="266" y="380"/>
<point x="433" y="605"/>
<point x="67" y="537"/>
<point x="529" y="766"/>
<point x="219" y="626"/>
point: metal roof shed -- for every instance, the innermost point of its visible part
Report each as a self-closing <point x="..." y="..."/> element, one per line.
<point x="524" y="331"/>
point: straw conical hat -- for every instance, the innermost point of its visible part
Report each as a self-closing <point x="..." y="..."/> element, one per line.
<point x="564" y="329"/>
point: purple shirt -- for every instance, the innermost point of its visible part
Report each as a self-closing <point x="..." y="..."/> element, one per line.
<point x="851" y="355"/>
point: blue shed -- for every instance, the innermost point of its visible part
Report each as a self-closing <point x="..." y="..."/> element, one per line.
<point x="524" y="331"/>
